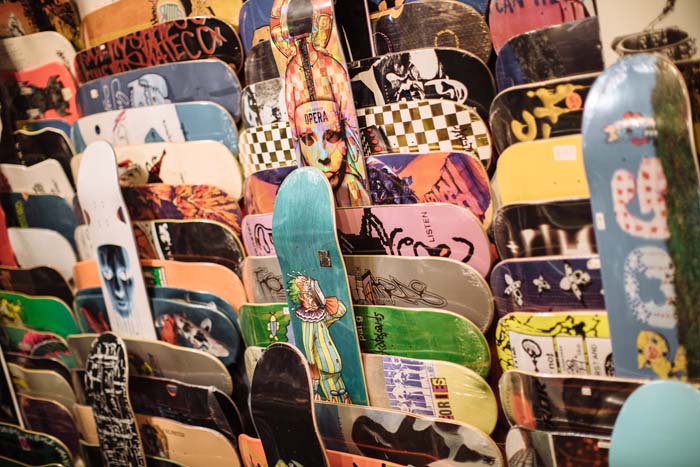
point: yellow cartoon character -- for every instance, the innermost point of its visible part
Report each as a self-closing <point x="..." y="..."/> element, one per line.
<point x="10" y="313"/>
<point x="652" y="352"/>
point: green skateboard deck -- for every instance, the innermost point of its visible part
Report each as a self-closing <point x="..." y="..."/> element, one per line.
<point x="265" y="324"/>
<point x="424" y="334"/>
<point x="38" y="344"/>
<point x="38" y="313"/>
<point x="304" y="229"/>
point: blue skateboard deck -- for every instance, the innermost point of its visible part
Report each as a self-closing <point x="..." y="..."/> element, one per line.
<point x="201" y="80"/>
<point x="640" y="162"/>
<point x="547" y="283"/>
<point x="318" y="296"/>
<point x="254" y="22"/>
<point x="189" y="121"/>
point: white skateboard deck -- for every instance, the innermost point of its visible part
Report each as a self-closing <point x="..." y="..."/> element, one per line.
<point x="82" y="241"/>
<point x="35" y="50"/>
<point x="42" y="247"/>
<point x="46" y="177"/>
<point x="85" y="7"/>
<point x="113" y="240"/>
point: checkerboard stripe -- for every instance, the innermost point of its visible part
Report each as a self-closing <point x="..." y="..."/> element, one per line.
<point x="266" y="147"/>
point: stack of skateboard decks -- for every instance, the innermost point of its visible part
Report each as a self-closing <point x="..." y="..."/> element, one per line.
<point x="346" y="233"/>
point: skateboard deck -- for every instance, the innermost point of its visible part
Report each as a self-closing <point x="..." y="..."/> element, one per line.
<point x="548" y="169"/>
<point x="42" y="383"/>
<point x="156" y="358"/>
<point x="58" y="125"/>
<point x="38" y="344"/>
<point x="205" y="277"/>
<point x="107" y="392"/>
<point x="250" y="358"/>
<point x="176" y="163"/>
<point x="266" y="147"/>
<point x="61" y="16"/>
<point x="316" y="286"/>
<point x="7" y="256"/>
<point x="639" y="145"/>
<point x="40" y="211"/>
<point x="454" y="178"/>
<point x="42" y="247"/>
<point x="431" y="24"/>
<point x="548" y="283"/>
<point x="533" y="447"/>
<point x="404" y="438"/>
<point x="571" y="48"/>
<point x="318" y="96"/>
<point x="265" y="324"/>
<point x="256" y="231"/>
<point x="260" y="64"/>
<point x="562" y="227"/>
<point x="124" y="17"/>
<point x="173" y="41"/>
<point x="46" y="91"/>
<point x="262" y="103"/>
<point x="35" y="50"/>
<point x="425" y="126"/>
<point x="262" y="279"/>
<point x="428" y="73"/>
<point x="508" y="19"/>
<point x="189" y="241"/>
<point x="690" y="69"/>
<point x="161" y="84"/>
<point x="540" y="110"/>
<point x="582" y="404"/>
<point x="18" y="19"/>
<point x="282" y="407"/>
<point x="261" y="189"/>
<point x="92" y="457"/>
<point x="45" y="177"/>
<point x="47" y="416"/>
<point x="39" y="363"/>
<point x="9" y="406"/>
<point x="174" y="123"/>
<point x="445" y="230"/>
<point x="574" y="343"/>
<point x="254" y="22"/>
<point x="409" y="333"/>
<point x="431" y="387"/>
<point x="113" y="242"/>
<point x="35" y="146"/>
<point x="47" y="314"/>
<point x="36" y="281"/>
<point x="670" y="405"/>
<point x="157" y="201"/>
<point x="32" y="448"/>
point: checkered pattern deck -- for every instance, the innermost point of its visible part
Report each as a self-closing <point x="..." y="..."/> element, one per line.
<point x="428" y="126"/>
<point x="266" y="147"/>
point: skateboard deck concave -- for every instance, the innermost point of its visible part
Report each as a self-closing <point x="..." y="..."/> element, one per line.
<point x="37" y="145"/>
<point x="42" y="247"/>
<point x="39" y="211"/>
<point x="52" y="418"/>
<point x="260" y="64"/>
<point x="36" y="281"/>
<point x="266" y="147"/>
<point x="47" y="314"/>
<point x="45" y="177"/>
<point x="42" y="383"/>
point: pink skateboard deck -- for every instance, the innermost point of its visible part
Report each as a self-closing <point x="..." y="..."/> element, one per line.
<point x="257" y="235"/>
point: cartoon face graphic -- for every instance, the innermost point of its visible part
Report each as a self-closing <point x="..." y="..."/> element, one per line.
<point x="310" y="296"/>
<point x="149" y="89"/>
<point x="321" y="136"/>
<point x="114" y="269"/>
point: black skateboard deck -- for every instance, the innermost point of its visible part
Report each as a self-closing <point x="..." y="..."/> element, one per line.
<point x="37" y="146"/>
<point x="32" y="448"/>
<point x="281" y="402"/>
<point x="260" y="64"/>
<point x="9" y="407"/>
<point x="40" y="363"/>
<point x="41" y="280"/>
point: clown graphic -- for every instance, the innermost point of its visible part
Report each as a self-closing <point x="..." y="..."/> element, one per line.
<point x="319" y="98"/>
<point x="317" y="314"/>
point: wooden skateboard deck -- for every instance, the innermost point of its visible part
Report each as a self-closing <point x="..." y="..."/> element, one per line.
<point x="158" y="201"/>
<point x="52" y="418"/>
<point x="42" y="247"/>
<point x="47" y="314"/>
<point x="555" y="448"/>
<point x="40" y="211"/>
<point x="572" y="48"/>
<point x="425" y="126"/>
<point x="403" y="438"/>
<point x="549" y="169"/>
<point x="263" y="103"/>
<point x="431" y="387"/>
<point x="640" y="152"/>
<point x="542" y="110"/>
<point x="169" y="83"/>
<point x="33" y="448"/>
<point x="318" y="96"/>
<point x="262" y="279"/>
<point x="156" y="358"/>
<point x="45" y="177"/>
<point x="316" y="286"/>
<point x="433" y="229"/>
<point x="260" y="64"/>
<point x="582" y="404"/>
<point x="261" y="189"/>
<point x="455" y="178"/>
<point x="282" y="406"/>
<point x="266" y="147"/>
<point x="508" y="19"/>
<point x="113" y="242"/>
<point x="35" y="50"/>
<point x="47" y="91"/>
<point x="175" y="123"/>
<point x="124" y="17"/>
<point x="42" y="383"/>
<point x="428" y="73"/>
<point x="36" y="281"/>
<point x="170" y="42"/>
<point x="561" y="227"/>
<point x="575" y="343"/>
<point x="34" y="146"/>
<point x="431" y="24"/>
<point x="39" y="363"/>
<point x="409" y="333"/>
<point x="548" y="283"/>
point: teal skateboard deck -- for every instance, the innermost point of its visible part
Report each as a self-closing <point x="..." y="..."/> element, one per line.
<point x="640" y="163"/>
<point x="303" y="226"/>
